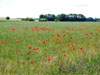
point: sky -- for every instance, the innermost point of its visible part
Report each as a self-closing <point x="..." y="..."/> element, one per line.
<point x="33" y="8"/>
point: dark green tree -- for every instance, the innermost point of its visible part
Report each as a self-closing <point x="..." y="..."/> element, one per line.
<point x="7" y="18"/>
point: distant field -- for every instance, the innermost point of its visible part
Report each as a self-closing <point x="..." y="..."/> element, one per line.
<point x="49" y="48"/>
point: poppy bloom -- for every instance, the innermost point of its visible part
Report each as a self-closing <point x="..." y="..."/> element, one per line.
<point x="82" y="50"/>
<point x="18" y="41"/>
<point x="50" y="58"/>
<point x="72" y="46"/>
<point x="35" y="29"/>
<point x="88" y="35"/>
<point x="29" y="46"/>
<point x="32" y="62"/>
<point x="45" y="42"/>
<point x="37" y="50"/>
<point x="13" y="29"/>
<point x="65" y="55"/>
<point x="40" y="29"/>
<point x="3" y="42"/>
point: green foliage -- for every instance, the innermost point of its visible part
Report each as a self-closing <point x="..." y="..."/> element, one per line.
<point x="27" y="19"/>
<point x="7" y="18"/>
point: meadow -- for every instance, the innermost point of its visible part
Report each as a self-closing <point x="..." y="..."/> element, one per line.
<point x="49" y="48"/>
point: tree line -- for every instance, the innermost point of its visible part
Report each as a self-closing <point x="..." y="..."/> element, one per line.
<point x="65" y="17"/>
<point x="60" y="17"/>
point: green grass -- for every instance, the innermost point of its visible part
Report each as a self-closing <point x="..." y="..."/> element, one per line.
<point x="49" y="48"/>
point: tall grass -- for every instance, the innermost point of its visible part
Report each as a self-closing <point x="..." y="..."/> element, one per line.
<point x="49" y="48"/>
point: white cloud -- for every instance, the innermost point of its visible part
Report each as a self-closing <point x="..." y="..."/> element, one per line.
<point x="32" y="8"/>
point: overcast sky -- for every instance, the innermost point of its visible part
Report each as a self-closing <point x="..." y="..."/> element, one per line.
<point x="33" y="8"/>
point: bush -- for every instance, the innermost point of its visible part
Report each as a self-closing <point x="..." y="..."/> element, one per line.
<point x="27" y="19"/>
<point x="7" y="18"/>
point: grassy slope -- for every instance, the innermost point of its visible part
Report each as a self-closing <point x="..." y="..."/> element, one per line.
<point x="67" y="48"/>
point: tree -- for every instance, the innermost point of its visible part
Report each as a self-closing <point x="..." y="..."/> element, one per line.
<point x="72" y="17"/>
<point x="90" y="19"/>
<point x="42" y="17"/>
<point x="64" y="17"/>
<point x="47" y="17"/>
<point x="50" y="17"/>
<point x="27" y="19"/>
<point x="61" y="17"/>
<point x="81" y="17"/>
<point x="7" y="18"/>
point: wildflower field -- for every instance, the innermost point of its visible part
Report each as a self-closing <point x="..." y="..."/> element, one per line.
<point x="49" y="48"/>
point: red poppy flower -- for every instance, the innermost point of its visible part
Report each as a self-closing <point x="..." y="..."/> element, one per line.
<point x="82" y="50"/>
<point x="37" y="50"/>
<point x="45" y="42"/>
<point x="50" y="58"/>
<point x="32" y="62"/>
<point x="29" y="46"/>
<point x="18" y="41"/>
<point x="13" y="29"/>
